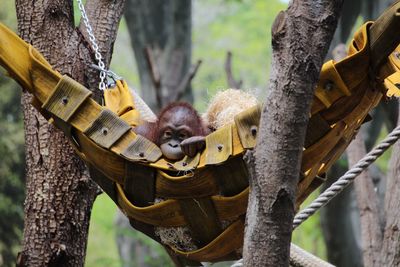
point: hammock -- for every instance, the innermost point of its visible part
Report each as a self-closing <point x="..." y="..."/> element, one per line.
<point x="211" y="189"/>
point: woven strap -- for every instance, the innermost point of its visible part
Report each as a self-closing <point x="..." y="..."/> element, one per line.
<point x="201" y="218"/>
<point x="141" y="149"/>
<point x="169" y="213"/>
<point x="219" y="145"/>
<point x="107" y="129"/>
<point x="247" y="126"/>
<point x="66" y="98"/>
<point x="139" y="184"/>
<point x="229" y="240"/>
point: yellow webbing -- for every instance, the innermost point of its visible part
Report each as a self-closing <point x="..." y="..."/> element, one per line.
<point x="219" y="145"/>
<point x="33" y="72"/>
<point x="120" y="101"/>
<point x="142" y="149"/>
<point x="229" y="240"/>
<point x="168" y="213"/>
<point x="340" y="82"/>
<point x="66" y="99"/>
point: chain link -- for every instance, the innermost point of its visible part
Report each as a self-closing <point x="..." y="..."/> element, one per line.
<point x="92" y="38"/>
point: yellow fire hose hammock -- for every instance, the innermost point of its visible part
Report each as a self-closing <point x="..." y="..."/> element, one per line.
<point x="211" y="189"/>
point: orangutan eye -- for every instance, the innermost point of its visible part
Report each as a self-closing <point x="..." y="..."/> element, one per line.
<point x="167" y="134"/>
<point x="182" y="136"/>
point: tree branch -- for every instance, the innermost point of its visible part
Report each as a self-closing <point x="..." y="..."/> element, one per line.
<point x="232" y="82"/>
<point x="155" y="74"/>
<point x="166" y="26"/>
<point x="151" y="60"/>
<point x="178" y="91"/>
<point x="187" y="79"/>
<point x="300" y="40"/>
<point x="367" y="201"/>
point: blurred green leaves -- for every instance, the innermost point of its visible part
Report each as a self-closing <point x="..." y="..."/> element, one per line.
<point x="12" y="162"/>
<point x="12" y="170"/>
<point x="243" y="27"/>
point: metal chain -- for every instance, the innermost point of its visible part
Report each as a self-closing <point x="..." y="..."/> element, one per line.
<point x="92" y="38"/>
<point x="347" y="178"/>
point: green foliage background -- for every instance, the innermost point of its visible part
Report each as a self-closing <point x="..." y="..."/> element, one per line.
<point x="242" y="27"/>
<point x="12" y="185"/>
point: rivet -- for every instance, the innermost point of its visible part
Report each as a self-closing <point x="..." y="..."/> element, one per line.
<point x="104" y="131"/>
<point x="141" y="154"/>
<point x="64" y="100"/>
<point x="184" y="164"/>
<point x="220" y="147"/>
<point x="253" y="130"/>
<point x="329" y="85"/>
<point x="397" y="54"/>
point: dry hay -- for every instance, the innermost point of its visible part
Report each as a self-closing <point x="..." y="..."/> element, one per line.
<point x="225" y="105"/>
<point x="176" y="237"/>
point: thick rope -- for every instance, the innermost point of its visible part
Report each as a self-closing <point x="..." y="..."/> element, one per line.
<point x="238" y="263"/>
<point x="299" y="257"/>
<point x="347" y="178"/>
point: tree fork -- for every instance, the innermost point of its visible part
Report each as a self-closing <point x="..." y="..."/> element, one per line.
<point x="59" y="192"/>
<point x="300" y="39"/>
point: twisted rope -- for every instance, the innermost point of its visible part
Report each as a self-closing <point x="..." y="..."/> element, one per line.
<point x="238" y="263"/>
<point x="298" y="257"/>
<point x="333" y="191"/>
<point x="347" y="178"/>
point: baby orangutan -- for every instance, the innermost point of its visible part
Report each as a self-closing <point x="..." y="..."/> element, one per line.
<point x="179" y="131"/>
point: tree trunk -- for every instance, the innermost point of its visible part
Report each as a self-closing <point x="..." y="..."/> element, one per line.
<point x="165" y="29"/>
<point x="368" y="205"/>
<point x="390" y="255"/>
<point x="59" y="192"/>
<point x="301" y="37"/>
<point x="340" y="224"/>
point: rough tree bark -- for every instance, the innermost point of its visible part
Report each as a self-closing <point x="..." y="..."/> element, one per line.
<point x="368" y="205"/>
<point x="300" y="40"/>
<point x="339" y="228"/>
<point x="59" y="192"/>
<point x="165" y="29"/>
<point x="390" y="254"/>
